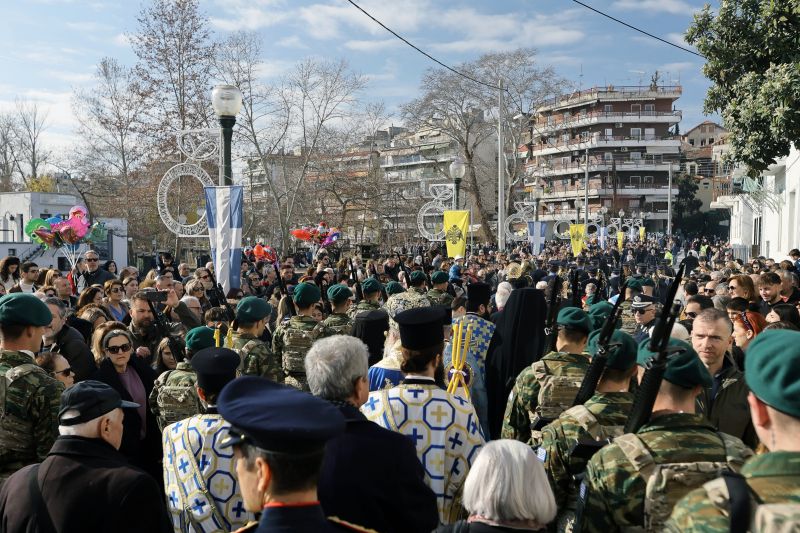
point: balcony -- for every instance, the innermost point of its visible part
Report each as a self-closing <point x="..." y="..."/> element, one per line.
<point x="414" y="159"/>
<point x="601" y="117"/>
<point x="611" y="93"/>
<point x="646" y="164"/>
<point x="606" y="141"/>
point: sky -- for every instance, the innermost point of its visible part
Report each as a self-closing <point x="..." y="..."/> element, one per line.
<point x="49" y="48"/>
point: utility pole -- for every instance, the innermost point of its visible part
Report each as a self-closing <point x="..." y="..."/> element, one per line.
<point x="501" y="163"/>
<point x="586" y="190"/>
<point x="669" y="203"/>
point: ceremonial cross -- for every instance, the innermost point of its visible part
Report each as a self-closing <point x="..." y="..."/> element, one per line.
<point x="416" y="392"/>
<point x="238" y="509"/>
<point x="209" y="422"/>
<point x="437" y="463"/>
<point x="439" y="413"/>
<point x="416" y="436"/>
<point x="455" y="470"/>
<point x="183" y="465"/>
<point x="454" y="440"/>
<point x="177" y="427"/>
<point x="199" y="506"/>
<point x="169" y="457"/>
<point x="371" y="403"/>
<point x="204" y="462"/>
<point x="460" y="400"/>
<point x="220" y="486"/>
<point x="473" y="427"/>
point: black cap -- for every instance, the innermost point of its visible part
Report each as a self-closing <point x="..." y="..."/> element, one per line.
<point x="421" y="327"/>
<point x="215" y="367"/>
<point x="478" y="293"/>
<point x="447" y="318"/>
<point x="276" y="417"/>
<point x="641" y="301"/>
<point x="91" y="399"/>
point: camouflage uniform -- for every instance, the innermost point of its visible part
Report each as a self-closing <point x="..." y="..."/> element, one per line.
<point x="362" y="307"/>
<point x="615" y="491"/>
<point x="174" y="396"/>
<point x="524" y="397"/>
<point x="628" y="321"/>
<point x="609" y="409"/>
<point x="421" y="292"/>
<point x="339" y="322"/>
<point x="438" y="297"/>
<point x="397" y="303"/>
<point x="257" y="357"/>
<point x="291" y="342"/>
<point x="29" y="405"/>
<point x="774" y="477"/>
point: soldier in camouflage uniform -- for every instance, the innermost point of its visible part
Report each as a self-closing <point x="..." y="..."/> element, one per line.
<point x="773" y="376"/>
<point x="634" y="288"/>
<point x="416" y="282"/>
<point x="602" y="416"/>
<point x="371" y="288"/>
<point x="339" y="297"/>
<point x="633" y="482"/>
<point x="293" y="339"/>
<point x="29" y="397"/>
<point x="438" y="295"/>
<point x="567" y="364"/>
<point x="252" y="315"/>
<point x="174" y="397"/>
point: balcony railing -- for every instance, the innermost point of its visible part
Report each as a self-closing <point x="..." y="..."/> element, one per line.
<point x="611" y="91"/>
<point x="579" y="143"/>
<point x="602" y="116"/>
<point x="599" y="163"/>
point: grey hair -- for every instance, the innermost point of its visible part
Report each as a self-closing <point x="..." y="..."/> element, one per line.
<point x="333" y="365"/>
<point x="62" y="309"/>
<point x="495" y="489"/>
<point x="115" y="333"/>
<point x="190" y="300"/>
<point x="503" y="293"/>
<point x="86" y="429"/>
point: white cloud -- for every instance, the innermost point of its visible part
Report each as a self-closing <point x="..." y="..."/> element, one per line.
<point x="675" y="7"/>
<point x="390" y="71"/>
<point x="121" y="39"/>
<point x="327" y="21"/>
<point x="292" y="41"/>
<point x="376" y="45"/>
<point x="70" y="77"/>
<point x="88" y="26"/>
<point x="273" y="68"/>
<point x="250" y="14"/>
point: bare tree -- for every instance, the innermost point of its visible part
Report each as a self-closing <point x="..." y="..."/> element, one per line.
<point x="30" y="125"/>
<point x="9" y="151"/>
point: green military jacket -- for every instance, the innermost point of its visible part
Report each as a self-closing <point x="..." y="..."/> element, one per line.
<point x="29" y="403"/>
<point x="615" y="492"/>
<point x="729" y="412"/>
<point x="339" y="322"/>
<point x="257" y="357"/>
<point x="438" y="297"/>
<point x="774" y="477"/>
<point x="362" y="307"/>
<point x="293" y="371"/>
<point x="174" y="396"/>
<point x="525" y="393"/>
<point x="628" y="321"/>
<point x="609" y="409"/>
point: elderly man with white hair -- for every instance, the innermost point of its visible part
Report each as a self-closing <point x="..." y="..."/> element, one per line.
<point x="370" y="476"/>
<point x="111" y="495"/>
<point x="506" y="489"/>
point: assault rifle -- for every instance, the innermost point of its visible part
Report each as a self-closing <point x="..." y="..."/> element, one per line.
<point x="550" y="330"/>
<point x="160" y="322"/>
<point x="575" y="285"/>
<point x="216" y="289"/>
<point x="291" y="311"/>
<point x="356" y="283"/>
<point x="657" y="365"/>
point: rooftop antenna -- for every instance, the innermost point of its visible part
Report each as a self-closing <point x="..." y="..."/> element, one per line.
<point x="580" y="79"/>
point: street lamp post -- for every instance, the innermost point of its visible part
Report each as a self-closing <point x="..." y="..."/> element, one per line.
<point x="457" y="171"/>
<point x="226" y="101"/>
<point x="537" y="194"/>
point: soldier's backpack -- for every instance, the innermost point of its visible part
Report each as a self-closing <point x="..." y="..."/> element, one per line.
<point x="557" y="390"/>
<point x="296" y="344"/>
<point x="175" y="401"/>
<point x="243" y="353"/>
<point x="669" y="482"/>
<point x="731" y="494"/>
<point x="17" y="433"/>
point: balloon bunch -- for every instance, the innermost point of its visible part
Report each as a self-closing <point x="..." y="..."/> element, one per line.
<point x="265" y="253"/>
<point x="66" y="233"/>
<point x="321" y="235"/>
<point x="459" y="376"/>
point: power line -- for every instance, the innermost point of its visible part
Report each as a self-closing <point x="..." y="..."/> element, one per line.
<point x="656" y="37"/>
<point x="423" y="52"/>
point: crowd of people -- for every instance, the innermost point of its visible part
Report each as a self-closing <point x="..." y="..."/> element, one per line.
<point x="404" y="392"/>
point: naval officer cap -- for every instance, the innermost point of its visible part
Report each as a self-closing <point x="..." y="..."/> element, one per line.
<point x="421" y="327"/>
<point x="24" y="309"/>
<point x="370" y="285"/>
<point x="277" y="418"/>
<point x="642" y="301"/>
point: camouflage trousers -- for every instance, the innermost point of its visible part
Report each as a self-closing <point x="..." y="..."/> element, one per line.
<point x="297" y="380"/>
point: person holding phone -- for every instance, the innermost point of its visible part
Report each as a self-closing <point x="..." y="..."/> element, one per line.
<point x="143" y="331"/>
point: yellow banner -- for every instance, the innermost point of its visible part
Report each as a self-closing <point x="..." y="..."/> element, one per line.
<point x="577" y="233"/>
<point x="620" y="240"/>
<point x="455" y="232"/>
<point x="641" y="233"/>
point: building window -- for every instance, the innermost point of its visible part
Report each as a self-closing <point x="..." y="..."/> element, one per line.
<point x="636" y="133"/>
<point x="636" y="156"/>
<point x="608" y="156"/>
<point x="609" y="133"/>
<point x="648" y="180"/>
<point x="691" y="142"/>
<point x="583" y="113"/>
<point x="567" y="114"/>
<point x="565" y="137"/>
<point x="584" y="136"/>
<point x="650" y="134"/>
<point x="636" y="108"/>
<point x="549" y="120"/>
<point x="608" y="108"/>
<point x="711" y="140"/>
<point x="649" y="108"/>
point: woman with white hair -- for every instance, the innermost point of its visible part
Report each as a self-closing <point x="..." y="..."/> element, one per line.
<point x="506" y="489"/>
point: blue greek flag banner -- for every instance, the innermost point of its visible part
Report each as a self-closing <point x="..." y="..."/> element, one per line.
<point x="225" y="212"/>
<point x="602" y="235"/>
<point x="536" y="231"/>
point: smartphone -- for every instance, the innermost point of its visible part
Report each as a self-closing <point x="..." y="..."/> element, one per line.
<point x="156" y="296"/>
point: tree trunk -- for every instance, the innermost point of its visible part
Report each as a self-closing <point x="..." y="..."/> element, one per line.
<point x="483" y="217"/>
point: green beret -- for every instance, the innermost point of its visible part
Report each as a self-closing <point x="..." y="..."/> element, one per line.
<point x="370" y="285"/>
<point x="199" y="338"/>
<point x="24" y="309"/>
<point x="394" y="288"/>
<point x="574" y="318"/>
<point x="339" y="293"/>
<point x="439" y="277"/>
<point x="648" y="282"/>
<point x="622" y="353"/>
<point x="772" y="369"/>
<point x="593" y="299"/>
<point x="417" y="277"/>
<point x="684" y="368"/>
<point x="634" y="284"/>
<point x="598" y="314"/>
<point x="306" y="294"/>
<point x="251" y="309"/>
